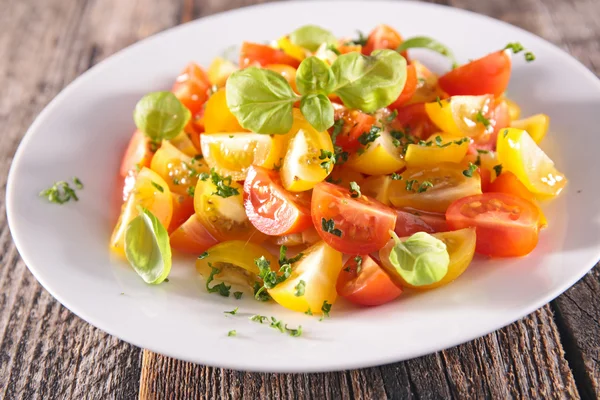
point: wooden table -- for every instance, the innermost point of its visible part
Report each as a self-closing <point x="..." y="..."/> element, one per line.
<point x="47" y="352"/>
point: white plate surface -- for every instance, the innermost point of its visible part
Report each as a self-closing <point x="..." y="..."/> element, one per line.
<point x="83" y="133"/>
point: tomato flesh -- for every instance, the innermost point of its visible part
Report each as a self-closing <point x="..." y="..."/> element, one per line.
<point x="191" y="88"/>
<point x="413" y="221"/>
<point x="413" y="120"/>
<point x="253" y="54"/>
<point x="272" y="209"/>
<point x="410" y="87"/>
<point x="367" y="284"/>
<point x="363" y="223"/>
<point x="355" y="124"/>
<point x="192" y="237"/>
<point x="382" y="37"/>
<point x="506" y="225"/>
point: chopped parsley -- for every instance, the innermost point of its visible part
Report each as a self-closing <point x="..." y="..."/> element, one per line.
<point x="479" y="117"/>
<point x="326" y="308"/>
<point x="232" y="333"/>
<point x="354" y="190"/>
<point x="223" y="184"/>
<point x="505" y="133"/>
<point x="203" y="176"/>
<point x="221" y="288"/>
<point x="283" y="260"/>
<point x="300" y="288"/>
<point x="238" y="295"/>
<point x="191" y="190"/>
<point x="308" y="312"/>
<point x="369" y="137"/>
<point x="424" y="186"/>
<point x="334" y="181"/>
<point x="480" y="151"/>
<point x="439" y="101"/>
<point x="294" y="332"/>
<point x="277" y="324"/>
<point x="396" y="176"/>
<point x="269" y="277"/>
<point x="498" y="169"/>
<point x="232" y="312"/>
<point x="392" y="116"/>
<point x="469" y="171"/>
<point x="409" y="185"/>
<point x="203" y="255"/>
<point x="328" y="225"/>
<point x="259" y="293"/>
<point x="358" y="260"/>
<point x="259" y="318"/>
<point x="158" y="187"/>
<point x="516" y="47"/>
<point x="78" y="183"/>
<point x="60" y="193"/>
<point x="329" y="158"/>
<point x="529" y="56"/>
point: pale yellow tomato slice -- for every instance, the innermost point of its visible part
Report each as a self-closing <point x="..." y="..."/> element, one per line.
<point x="519" y="154"/>
<point x="514" y="111"/>
<point x="231" y="154"/>
<point x="302" y="169"/>
<point x="377" y="187"/>
<point x="224" y="217"/>
<point x="318" y="268"/>
<point x="179" y="170"/>
<point x="217" y="117"/>
<point x="291" y="49"/>
<point x="461" y="248"/>
<point x="219" y="70"/>
<point x="184" y="144"/>
<point x="536" y="126"/>
<point x="457" y="115"/>
<point x="149" y="191"/>
<point x="434" y="188"/>
<point x="235" y="261"/>
<point x="378" y="158"/>
<point x="434" y="151"/>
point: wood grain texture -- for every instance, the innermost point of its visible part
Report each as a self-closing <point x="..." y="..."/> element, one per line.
<point x="47" y="352"/>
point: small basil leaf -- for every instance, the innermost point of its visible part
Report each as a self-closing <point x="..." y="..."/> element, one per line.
<point x="369" y="82"/>
<point x="147" y="247"/>
<point x="160" y="115"/>
<point x="318" y="111"/>
<point x="261" y="100"/>
<point x="311" y="37"/>
<point x="424" y="42"/>
<point x="314" y="76"/>
<point x="421" y="259"/>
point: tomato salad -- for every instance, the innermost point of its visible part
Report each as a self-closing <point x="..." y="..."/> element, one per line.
<point x="380" y="175"/>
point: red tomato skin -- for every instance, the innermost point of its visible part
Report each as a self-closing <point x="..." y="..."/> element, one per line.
<point x="375" y="289"/>
<point x="409" y="223"/>
<point x="409" y="88"/>
<point x="192" y="237"/>
<point x="253" y="54"/>
<point x="191" y="88"/>
<point x="183" y="208"/>
<point x="355" y="124"/>
<point x="486" y="179"/>
<point x="498" y="236"/>
<point x="137" y="154"/>
<point x="383" y="37"/>
<point x="499" y="117"/>
<point x="414" y="120"/>
<point x="261" y="188"/>
<point x="487" y="75"/>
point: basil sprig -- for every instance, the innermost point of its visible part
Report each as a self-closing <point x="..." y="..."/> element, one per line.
<point x="160" y="115"/>
<point x="311" y="37"/>
<point x="262" y="100"/>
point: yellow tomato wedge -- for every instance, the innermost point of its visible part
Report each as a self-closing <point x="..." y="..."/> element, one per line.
<point x="318" y="268"/>
<point x="461" y="248"/>
<point x="380" y="157"/>
<point x="440" y="148"/>
<point x="291" y="49"/>
<point x="513" y="108"/>
<point x="519" y="154"/>
<point x="224" y="217"/>
<point x="231" y="154"/>
<point x="457" y="115"/>
<point x="219" y="70"/>
<point x="536" y="126"/>
<point x="377" y="187"/>
<point x="185" y="144"/>
<point x="427" y="85"/>
<point x="217" y="117"/>
<point x="179" y="171"/>
<point x="151" y="192"/>
<point x="434" y="188"/>
<point x="235" y="261"/>
<point x="301" y="169"/>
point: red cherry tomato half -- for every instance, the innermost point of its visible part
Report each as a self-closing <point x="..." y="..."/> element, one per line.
<point x="487" y="75"/>
<point x="506" y="225"/>
<point x="353" y="225"/>
<point x="413" y="119"/>
<point x="192" y="237"/>
<point x="382" y="37"/>
<point x="409" y="88"/>
<point x="355" y="124"/>
<point x="191" y="88"/>
<point x="413" y="221"/>
<point x="363" y="281"/>
<point x="263" y="55"/>
<point x="272" y="209"/>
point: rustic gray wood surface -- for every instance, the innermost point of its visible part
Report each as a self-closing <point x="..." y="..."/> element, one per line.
<point x="47" y="352"/>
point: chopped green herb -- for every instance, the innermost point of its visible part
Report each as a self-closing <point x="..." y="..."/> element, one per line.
<point x="203" y="176"/>
<point x="409" y="185"/>
<point x="358" y="260"/>
<point x="283" y="260"/>
<point x="469" y="171"/>
<point x="334" y="181"/>
<point x="270" y="278"/>
<point x="308" y="312"/>
<point x="396" y="176"/>
<point x="479" y="117"/>
<point x="237" y="295"/>
<point x="354" y="190"/>
<point x="203" y="255"/>
<point x="498" y="169"/>
<point x="329" y="158"/>
<point x="529" y="56"/>
<point x="223" y="184"/>
<point x="424" y="186"/>
<point x="277" y="324"/>
<point x="294" y="332"/>
<point x="338" y="125"/>
<point x="191" y="190"/>
<point x="232" y="312"/>
<point x="326" y="308"/>
<point x="516" y="47"/>
<point x="505" y="133"/>
<point x="300" y="288"/>
<point x="259" y="293"/>
<point x="221" y="288"/>
<point x="259" y="318"/>
<point x="361" y="41"/>
<point x="369" y="137"/>
<point x="328" y="225"/>
<point x="392" y="116"/>
<point x="480" y="151"/>
<point x="77" y="182"/>
<point x="232" y="333"/>
<point x="59" y="193"/>
<point x="439" y="101"/>
<point x="478" y="160"/>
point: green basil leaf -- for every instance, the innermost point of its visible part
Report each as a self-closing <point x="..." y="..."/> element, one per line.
<point x="369" y="82"/>
<point x="314" y="76"/>
<point x="318" y="111"/>
<point x="311" y="37"/>
<point x="424" y="42"/>
<point x="147" y="247"/>
<point x="261" y="100"/>
<point x="421" y="259"/>
<point x="160" y="115"/>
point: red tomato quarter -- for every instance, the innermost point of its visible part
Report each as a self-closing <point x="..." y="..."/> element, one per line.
<point x="272" y="209"/>
<point x="382" y="37"/>
<point x="252" y="54"/>
<point x="413" y="119"/>
<point x="355" y="124"/>
<point x="411" y="222"/>
<point x="487" y="75"/>
<point x="191" y="88"/>
<point x="506" y="225"/>
<point x="192" y="237"/>
<point x="351" y="225"/>
<point x="362" y="281"/>
<point x="409" y="87"/>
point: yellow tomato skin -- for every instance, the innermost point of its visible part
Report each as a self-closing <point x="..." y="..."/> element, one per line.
<point x="217" y="117"/>
<point x="461" y="249"/>
<point x="219" y="70"/>
<point x="380" y="157"/>
<point x="513" y="109"/>
<point x="457" y="114"/>
<point x="287" y="71"/>
<point x="536" y="125"/>
<point x="232" y="154"/>
<point x="377" y="187"/>
<point x="342" y="176"/>
<point x="148" y="196"/>
<point x="301" y="169"/>
<point x="291" y="49"/>
<point x="427" y="85"/>
<point x="424" y="156"/>
<point x="319" y="269"/>
<point x="519" y="154"/>
<point x="449" y="184"/>
<point x="177" y="169"/>
<point x="184" y="144"/>
<point x="235" y="260"/>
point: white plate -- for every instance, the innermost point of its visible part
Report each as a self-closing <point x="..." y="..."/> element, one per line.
<point x="83" y="133"/>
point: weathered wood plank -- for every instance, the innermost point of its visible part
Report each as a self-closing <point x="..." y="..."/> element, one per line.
<point x="46" y="351"/>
